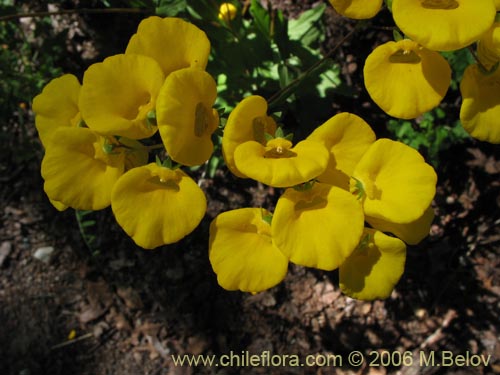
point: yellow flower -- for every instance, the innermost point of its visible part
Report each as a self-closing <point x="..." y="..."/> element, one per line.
<point x="279" y="164"/>
<point x="172" y="42"/>
<point x="57" y="106"/>
<point x="347" y="136"/>
<point x="411" y="233"/>
<point x="394" y="182"/>
<point x="480" y="108"/>
<point x="488" y="49"/>
<point x="406" y="80"/>
<point x="80" y="169"/>
<point x="242" y="252"/>
<point x="318" y="227"/>
<point x="185" y="116"/>
<point x="357" y="9"/>
<point x="156" y="205"/>
<point x="227" y="12"/>
<point x="118" y="94"/>
<point x="443" y="25"/>
<point x="374" y="268"/>
<point x="248" y="121"/>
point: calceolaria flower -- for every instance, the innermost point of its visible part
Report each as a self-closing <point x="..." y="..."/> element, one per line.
<point x="171" y="205"/>
<point x="394" y="182"/>
<point x="185" y="116"/>
<point x="411" y="233"/>
<point x="227" y="12"/>
<point x="172" y="42"/>
<point x="81" y="167"/>
<point x="318" y="225"/>
<point x="56" y="106"/>
<point x="248" y="121"/>
<point x="280" y="164"/>
<point x="118" y="94"/>
<point x="443" y="25"/>
<point x="374" y="268"/>
<point x="357" y="9"/>
<point x="242" y="252"/>
<point x="347" y="137"/>
<point x="405" y="79"/>
<point x="488" y="48"/>
<point x="480" y="108"/>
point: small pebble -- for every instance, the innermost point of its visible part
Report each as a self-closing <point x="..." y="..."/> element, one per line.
<point x="44" y="254"/>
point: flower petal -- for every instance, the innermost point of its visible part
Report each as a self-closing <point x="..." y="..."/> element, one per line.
<point x="242" y="252"/>
<point x="411" y="233"/>
<point x="118" y="93"/>
<point x="185" y="116"/>
<point x="171" y="205"/>
<point x="443" y="25"/>
<point x="76" y="170"/>
<point x="488" y="48"/>
<point x="357" y="9"/>
<point x="347" y="136"/>
<point x="172" y="42"/>
<point x="57" y="106"/>
<point x="319" y="227"/>
<point x="307" y="160"/>
<point x="248" y="121"/>
<point x="406" y="80"/>
<point x="397" y="184"/>
<point x="372" y="271"/>
<point x="480" y="108"/>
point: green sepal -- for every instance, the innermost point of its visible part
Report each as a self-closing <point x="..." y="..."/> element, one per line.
<point x="266" y="217"/>
<point x="360" y="190"/>
<point x="397" y="35"/>
<point x="279" y="133"/>
<point x="305" y="186"/>
<point x="151" y="119"/>
<point x="268" y="137"/>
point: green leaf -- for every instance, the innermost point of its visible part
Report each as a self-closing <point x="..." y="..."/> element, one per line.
<point x="300" y="27"/>
<point x="170" y="8"/>
<point x="261" y="17"/>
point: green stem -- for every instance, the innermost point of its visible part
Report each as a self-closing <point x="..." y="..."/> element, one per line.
<point x="75" y="11"/>
<point x="154" y="147"/>
<point x="287" y="90"/>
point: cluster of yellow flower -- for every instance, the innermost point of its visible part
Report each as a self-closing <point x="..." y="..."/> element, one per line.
<point x="335" y="180"/>
<point x="91" y="132"/>
<point x="409" y="77"/>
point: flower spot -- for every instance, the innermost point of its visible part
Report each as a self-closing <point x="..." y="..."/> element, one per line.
<point x="201" y="120"/>
<point x="404" y="57"/>
<point x="440" y="4"/>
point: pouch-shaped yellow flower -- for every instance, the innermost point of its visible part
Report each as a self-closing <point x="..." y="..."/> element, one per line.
<point x="480" y="108"/>
<point x="172" y="42"/>
<point x="78" y="169"/>
<point x="279" y="164"/>
<point x="405" y="79"/>
<point x="56" y="106"/>
<point x="118" y="93"/>
<point x="156" y="205"/>
<point x="488" y="48"/>
<point x="248" y="121"/>
<point x="443" y="25"/>
<point x="318" y="227"/>
<point x="347" y="136"/>
<point x="411" y="233"/>
<point x="357" y="9"/>
<point x="227" y="12"/>
<point x="185" y="116"/>
<point x="374" y="268"/>
<point x="242" y="252"/>
<point x="394" y="182"/>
